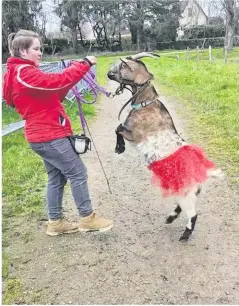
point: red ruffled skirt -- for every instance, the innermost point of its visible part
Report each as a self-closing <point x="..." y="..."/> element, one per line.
<point x="182" y="170"/>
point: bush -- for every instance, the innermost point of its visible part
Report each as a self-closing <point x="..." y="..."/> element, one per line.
<point x="56" y="44"/>
<point x="193" y="43"/>
<point x="203" y="31"/>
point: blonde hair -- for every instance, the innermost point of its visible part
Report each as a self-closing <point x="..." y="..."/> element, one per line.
<point x="22" y="40"/>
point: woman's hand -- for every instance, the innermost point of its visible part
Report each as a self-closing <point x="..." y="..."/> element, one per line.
<point x="92" y="59"/>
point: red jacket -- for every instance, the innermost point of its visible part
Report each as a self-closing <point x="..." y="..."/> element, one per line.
<point x="37" y="97"/>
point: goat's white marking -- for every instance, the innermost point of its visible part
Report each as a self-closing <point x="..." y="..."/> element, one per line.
<point x="159" y="146"/>
<point x="174" y="213"/>
<point x="215" y="173"/>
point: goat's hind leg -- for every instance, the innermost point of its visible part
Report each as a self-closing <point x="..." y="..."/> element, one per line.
<point x="187" y="205"/>
<point x="174" y="214"/>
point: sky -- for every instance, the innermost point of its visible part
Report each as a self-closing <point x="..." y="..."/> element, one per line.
<point x="53" y="21"/>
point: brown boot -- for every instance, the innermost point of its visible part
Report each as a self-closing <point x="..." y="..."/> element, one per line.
<point x="95" y="223"/>
<point x="60" y="226"/>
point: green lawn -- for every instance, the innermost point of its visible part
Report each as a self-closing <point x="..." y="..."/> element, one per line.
<point x="208" y="92"/>
<point x="24" y="176"/>
<point x="23" y="184"/>
<point x="217" y="54"/>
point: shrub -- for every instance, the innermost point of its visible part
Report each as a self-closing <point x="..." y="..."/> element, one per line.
<point x="203" y="31"/>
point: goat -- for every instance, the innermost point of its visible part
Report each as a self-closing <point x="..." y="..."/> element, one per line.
<point x="178" y="168"/>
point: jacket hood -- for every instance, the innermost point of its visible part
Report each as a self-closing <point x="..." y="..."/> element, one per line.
<point x="12" y="64"/>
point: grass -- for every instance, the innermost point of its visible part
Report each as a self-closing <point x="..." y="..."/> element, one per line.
<point x="217" y="54"/>
<point x="23" y="185"/>
<point x="24" y="177"/>
<point x="210" y="94"/>
<point x="210" y="91"/>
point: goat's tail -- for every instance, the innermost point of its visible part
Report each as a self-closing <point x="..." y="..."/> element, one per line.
<point x="215" y="173"/>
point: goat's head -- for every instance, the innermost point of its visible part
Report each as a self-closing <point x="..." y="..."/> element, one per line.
<point x="131" y="71"/>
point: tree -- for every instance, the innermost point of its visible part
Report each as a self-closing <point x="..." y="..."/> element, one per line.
<point x="70" y="13"/>
<point x="232" y="17"/>
<point x="106" y="18"/>
<point x="154" y="13"/>
<point x="18" y="15"/>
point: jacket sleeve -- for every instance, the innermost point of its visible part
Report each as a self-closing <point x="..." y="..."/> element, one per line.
<point x="63" y="92"/>
<point x="37" y="80"/>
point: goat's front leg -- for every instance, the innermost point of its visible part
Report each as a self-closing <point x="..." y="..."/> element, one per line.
<point x="121" y="133"/>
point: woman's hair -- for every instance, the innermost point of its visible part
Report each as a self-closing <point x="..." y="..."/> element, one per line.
<point x="22" y="40"/>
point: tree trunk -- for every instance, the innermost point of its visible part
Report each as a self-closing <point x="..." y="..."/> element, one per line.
<point x="73" y="25"/>
<point x="229" y="37"/>
<point x="140" y="36"/>
<point x="106" y="40"/>
<point x="74" y="40"/>
<point x="133" y="31"/>
<point x="81" y="37"/>
<point x="231" y="21"/>
<point x="120" y="41"/>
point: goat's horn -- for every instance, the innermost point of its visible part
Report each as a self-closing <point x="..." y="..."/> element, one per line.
<point x="143" y="54"/>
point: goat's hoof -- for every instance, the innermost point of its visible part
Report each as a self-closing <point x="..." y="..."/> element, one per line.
<point x="187" y="233"/>
<point x="119" y="149"/>
<point x="170" y="219"/>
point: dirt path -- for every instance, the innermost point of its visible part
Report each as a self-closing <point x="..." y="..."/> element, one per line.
<point x="141" y="260"/>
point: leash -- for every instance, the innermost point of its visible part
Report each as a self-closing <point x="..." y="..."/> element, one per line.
<point x="135" y="95"/>
<point x="79" y="100"/>
<point x="90" y="79"/>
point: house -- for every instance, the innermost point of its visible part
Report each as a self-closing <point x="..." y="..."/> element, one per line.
<point x="192" y="14"/>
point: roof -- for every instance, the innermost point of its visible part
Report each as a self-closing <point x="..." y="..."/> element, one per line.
<point x="185" y="3"/>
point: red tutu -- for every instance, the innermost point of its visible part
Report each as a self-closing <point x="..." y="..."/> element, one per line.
<point x="179" y="172"/>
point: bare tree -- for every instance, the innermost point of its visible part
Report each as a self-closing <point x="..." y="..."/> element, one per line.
<point x="18" y="15"/>
<point x="232" y="17"/>
<point x="69" y="12"/>
<point x="212" y="8"/>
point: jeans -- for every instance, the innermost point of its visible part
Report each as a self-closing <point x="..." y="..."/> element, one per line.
<point x="62" y="164"/>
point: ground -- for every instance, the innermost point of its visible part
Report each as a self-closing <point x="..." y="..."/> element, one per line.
<point x="141" y="260"/>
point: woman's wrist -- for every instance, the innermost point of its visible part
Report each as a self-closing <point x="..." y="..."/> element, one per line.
<point x="88" y="61"/>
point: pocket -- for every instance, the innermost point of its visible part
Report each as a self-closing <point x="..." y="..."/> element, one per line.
<point x="61" y="145"/>
<point x="62" y="120"/>
<point x="59" y="142"/>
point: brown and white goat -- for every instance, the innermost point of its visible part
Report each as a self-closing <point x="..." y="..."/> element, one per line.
<point x="150" y="128"/>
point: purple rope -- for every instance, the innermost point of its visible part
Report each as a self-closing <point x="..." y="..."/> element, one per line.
<point x="82" y="117"/>
<point x="89" y="78"/>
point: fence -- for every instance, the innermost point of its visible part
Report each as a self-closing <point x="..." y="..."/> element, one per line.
<point x="52" y="67"/>
<point x="206" y="54"/>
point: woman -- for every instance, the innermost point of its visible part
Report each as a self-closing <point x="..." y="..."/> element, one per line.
<point x="37" y="97"/>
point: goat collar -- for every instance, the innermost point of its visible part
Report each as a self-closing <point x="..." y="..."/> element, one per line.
<point x="134" y="96"/>
<point x="143" y="104"/>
